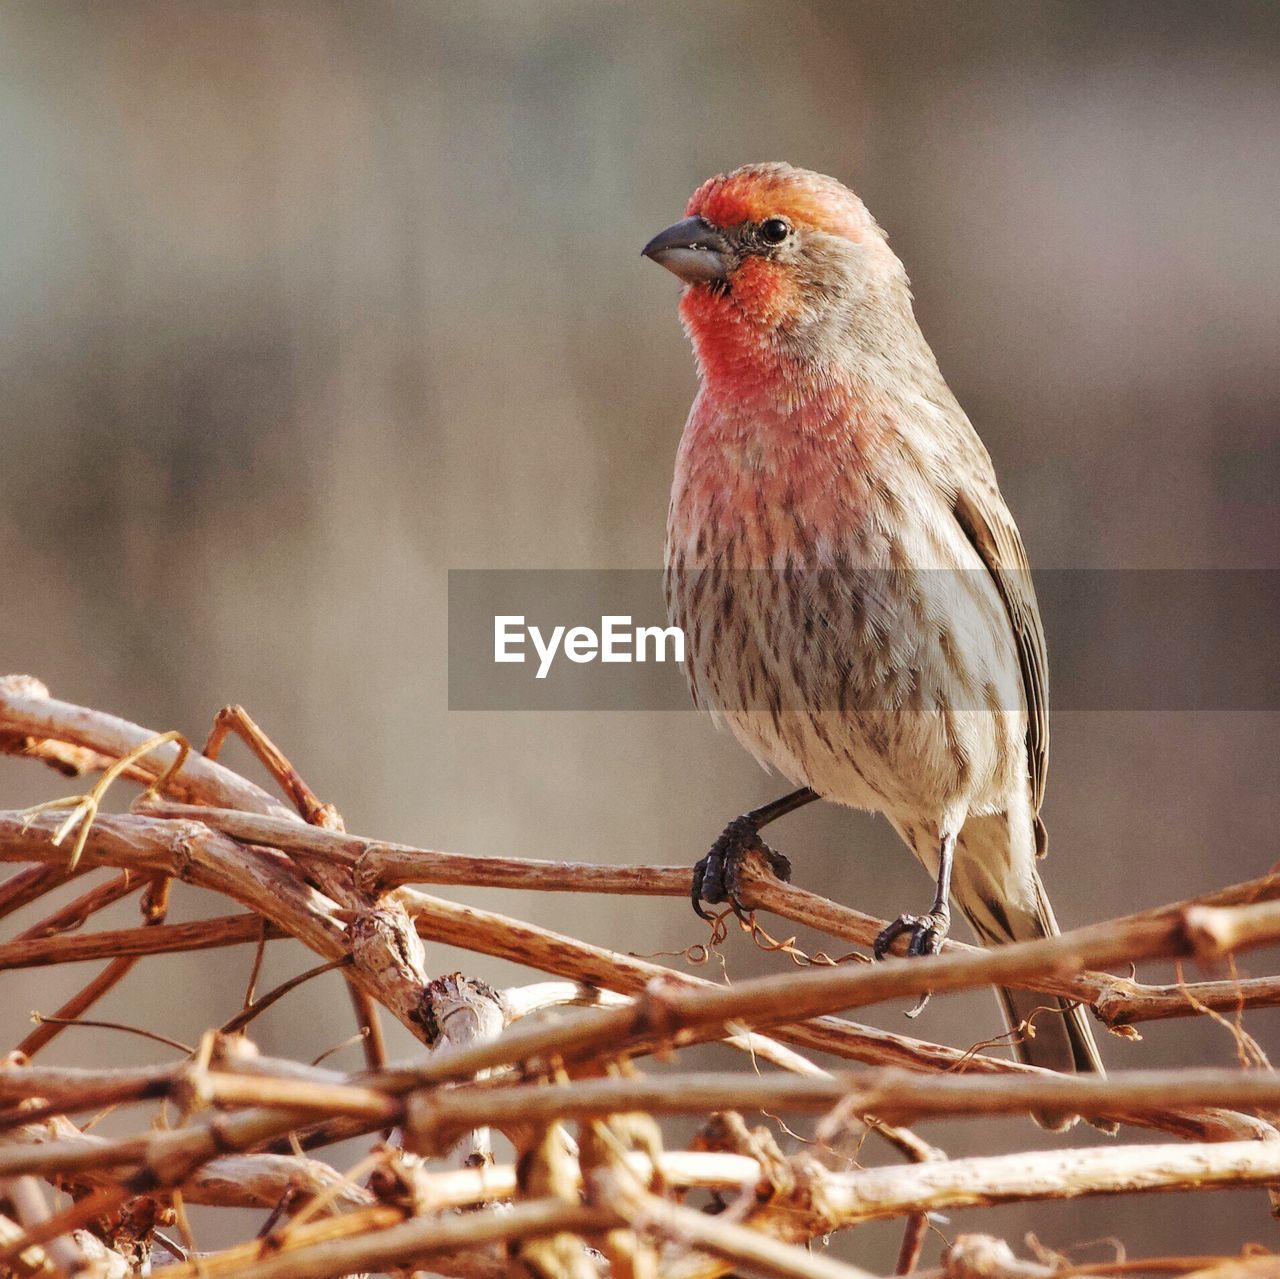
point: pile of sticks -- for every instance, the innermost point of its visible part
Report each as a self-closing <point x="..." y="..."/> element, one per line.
<point x="592" y="1186"/>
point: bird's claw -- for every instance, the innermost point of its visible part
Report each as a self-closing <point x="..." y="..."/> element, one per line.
<point x="718" y="876"/>
<point x="927" y="932"/>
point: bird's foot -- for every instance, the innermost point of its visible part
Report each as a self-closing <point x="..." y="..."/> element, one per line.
<point x="927" y="933"/>
<point x="717" y="877"/>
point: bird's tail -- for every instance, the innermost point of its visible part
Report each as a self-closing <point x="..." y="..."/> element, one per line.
<point x="1001" y="907"/>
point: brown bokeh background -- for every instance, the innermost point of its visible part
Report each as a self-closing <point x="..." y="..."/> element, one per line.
<point x="305" y="303"/>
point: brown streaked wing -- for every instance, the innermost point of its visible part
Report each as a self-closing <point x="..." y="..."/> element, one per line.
<point x="990" y="528"/>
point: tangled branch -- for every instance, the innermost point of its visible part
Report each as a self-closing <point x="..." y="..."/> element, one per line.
<point x="593" y="1187"/>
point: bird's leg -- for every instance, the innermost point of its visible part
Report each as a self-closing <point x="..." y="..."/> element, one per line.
<point x="716" y="876"/>
<point x="927" y="931"/>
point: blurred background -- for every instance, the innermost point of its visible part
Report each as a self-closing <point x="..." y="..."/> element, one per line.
<point x="303" y="304"/>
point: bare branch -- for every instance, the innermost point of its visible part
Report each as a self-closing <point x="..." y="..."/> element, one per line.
<point x="242" y="1121"/>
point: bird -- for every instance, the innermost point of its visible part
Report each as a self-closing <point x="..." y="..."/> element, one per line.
<point x="855" y="596"/>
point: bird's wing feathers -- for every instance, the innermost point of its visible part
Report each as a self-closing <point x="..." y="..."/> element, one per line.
<point x="990" y="528"/>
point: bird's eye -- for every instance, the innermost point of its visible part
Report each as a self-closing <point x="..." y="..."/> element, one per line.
<point x="775" y="230"/>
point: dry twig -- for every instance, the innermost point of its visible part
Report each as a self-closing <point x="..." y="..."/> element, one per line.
<point x="489" y="1062"/>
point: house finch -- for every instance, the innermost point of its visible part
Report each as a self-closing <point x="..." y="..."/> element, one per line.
<point x="854" y="593"/>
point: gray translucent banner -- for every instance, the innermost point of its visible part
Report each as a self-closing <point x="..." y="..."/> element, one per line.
<point x="1177" y="639"/>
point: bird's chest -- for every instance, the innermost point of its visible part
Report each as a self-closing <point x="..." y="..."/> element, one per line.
<point x="773" y="492"/>
<point x="773" y="538"/>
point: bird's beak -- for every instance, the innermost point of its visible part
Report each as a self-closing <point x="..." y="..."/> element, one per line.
<point x="692" y="249"/>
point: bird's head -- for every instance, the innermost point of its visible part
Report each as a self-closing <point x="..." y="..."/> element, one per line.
<point x="778" y="258"/>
